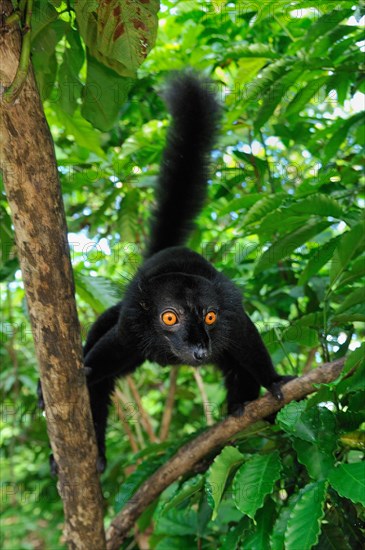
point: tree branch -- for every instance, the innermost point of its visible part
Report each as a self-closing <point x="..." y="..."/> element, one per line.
<point x="15" y="87"/>
<point x="203" y="393"/>
<point x="127" y="402"/>
<point x="117" y="400"/>
<point x="167" y="414"/>
<point x="144" y="416"/>
<point x="31" y="181"/>
<point x="216" y="436"/>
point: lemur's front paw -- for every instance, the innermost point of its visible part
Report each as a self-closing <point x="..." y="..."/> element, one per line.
<point x="236" y="409"/>
<point x="40" y="396"/>
<point x="101" y="463"/>
<point x="275" y="388"/>
<point x="53" y="465"/>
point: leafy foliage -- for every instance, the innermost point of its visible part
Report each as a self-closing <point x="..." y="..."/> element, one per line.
<point x="284" y="220"/>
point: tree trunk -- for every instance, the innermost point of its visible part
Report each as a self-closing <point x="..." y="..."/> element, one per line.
<point x="33" y="190"/>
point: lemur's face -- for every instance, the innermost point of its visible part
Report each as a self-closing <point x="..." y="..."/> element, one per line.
<point x="187" y="319"/>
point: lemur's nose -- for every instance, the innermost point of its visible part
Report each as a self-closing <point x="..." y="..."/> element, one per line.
<point x="200" y="354"/>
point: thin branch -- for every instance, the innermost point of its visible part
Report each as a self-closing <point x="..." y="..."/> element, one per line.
<point x="215" y="437"/>
<point x="271" y="181"/>
<point x="203" y="393"/>
<point x="22" y="72"/>
<point x="310" y="359"/>
<point x="15" y="17"/>
<point x="167" y="414"/>
<point x="285" y="28"/>
<point x="254" y="165"/>
<point x="117" y="401"/>
<point x="144" y="416"/>
<point x="127" y="402"/>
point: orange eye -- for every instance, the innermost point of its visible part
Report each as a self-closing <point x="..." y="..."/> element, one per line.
<point x="210" y="318"/>
<point x="169" y="318"/>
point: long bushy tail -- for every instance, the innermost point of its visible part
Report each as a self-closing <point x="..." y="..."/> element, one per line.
<point x="182" y="183"/>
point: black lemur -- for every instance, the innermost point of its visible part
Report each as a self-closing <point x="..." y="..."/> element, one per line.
<point x="179" y="309"/>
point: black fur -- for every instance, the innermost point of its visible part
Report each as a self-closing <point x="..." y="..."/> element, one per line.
<point x="182" y="184"/>
<point x="175" y="278"/>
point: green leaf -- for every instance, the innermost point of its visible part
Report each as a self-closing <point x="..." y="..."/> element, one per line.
<point x="304" y="95"/>
<point x="259" y="539"/>
<point x="304" y="524"/>
<point x="286" y="245"/>
<point x="177" y="543"/>
<point x="357" y="400"/>
<point x="296" y="213"/>
<point x="177" y="523"/>
<point x="314" y="320"/>
<point x="274" y="96"/>
<point x="338" y="137"/>
<point x="99" y="292"/>
<point x="253" y="50"/>
<point x="325" y="24"/>
<point x="332" y="538"/>
<point x="268" y="76"/>
<point x="188" y="490"/>
<point x="134" y="480"/>
<point x="340" y="83"/>
<point x="223" y="465"/>
<point x="68" y="74"/>
<point x="280" y="525"/>
<point x="350" y="317"/>
<point x="8" y="269"/>
<point x="321" y="256"/>
<point x="315" y="425"/>
<point x="263" y="207"/>
<point x="319" y="204"/>
<point x="235" y="205"/>
<point x="331" y="44"/>
<point x="357" y="296"/>
<point x="144" y="520"/>
<point x="258" y="164"/>
<point x="128" y="216"/>
<point x="349" y="481"/>
<point x="248" y="68"/>
<point x="234" y="536"/>
<point x="288" y="419"/>
<point x="302" y="335"/>
<point x="350" y="243"/>
<point x="7" y="241"/>
<point x="104" y="94"/>
<point x="118" y="34"/>
<point x="355" y="364"/>
<point x="83" y="132"/>
<point x="43" y="15"/>
<point x="354" y="361"/>
<point x="313" y="184"/>
<point x="44" y="57"/>
<point x="354" y="273"/>
<point x="254" y="480"/>
<point x="317" y="461"/>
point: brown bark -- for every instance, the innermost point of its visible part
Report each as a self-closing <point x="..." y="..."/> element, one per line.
<point x="191" y="453"/>
<point x="145" y="421"/>
<point x="32" y="186"/>
<point x="167" y="413"/>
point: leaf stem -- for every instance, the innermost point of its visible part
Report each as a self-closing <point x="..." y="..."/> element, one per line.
<point x="281" y="344"/>
<point x="285" y="29"/>
<point x="16" y="86"/>
<point x="15" y="17"/>
<point x="271" y="181"/>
